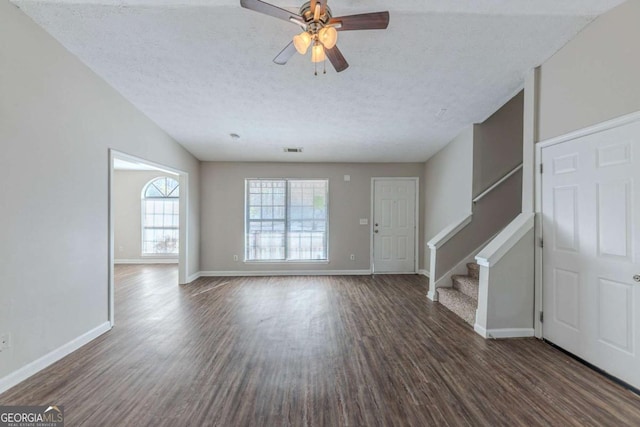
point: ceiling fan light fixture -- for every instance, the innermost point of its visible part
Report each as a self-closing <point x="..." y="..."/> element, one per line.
<point x="317" y="53"/>
<point x="328" y="37"/>
<point x="301" y="42"/>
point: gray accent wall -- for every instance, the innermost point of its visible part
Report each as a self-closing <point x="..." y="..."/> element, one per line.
<point x="58" y="121"/>
<point x="594" y="77"/>
<point x="127" y="190"/>
<point x="497" y="144"/>
<point x="497" y="149"/>
<point x="223" y="204"/>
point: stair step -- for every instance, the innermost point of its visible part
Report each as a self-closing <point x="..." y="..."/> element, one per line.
<point x="466" y="284"/>
<point x="462" y="305"/>
<point x="473" y="269"/>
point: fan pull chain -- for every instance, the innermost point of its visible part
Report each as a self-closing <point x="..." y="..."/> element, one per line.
<point x="315" y="68"/>
<point x="324" y="66"/>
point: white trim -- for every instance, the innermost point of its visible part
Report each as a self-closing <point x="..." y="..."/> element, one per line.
<point x="590" y="130"/>
<point x="416" y="237"/>
<point x="193" y="277"/>
<point x="146" y="261"/>
<point x="505" y="240"/>
<point x="425" y="273"/>
<point x="503" y="333"/>
<point x="449" y="231"/>
<point x="285" y="273"/>
<point x="580" y="133"/>
<point x="36" y="366"/>
<point x="529" y="136"/>
<point x="537" y="304"/>
<point x="183" y="258"/>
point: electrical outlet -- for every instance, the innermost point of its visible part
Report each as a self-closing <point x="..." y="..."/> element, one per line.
<point x="235" y="257"/>
<point x="5" y="341"/>
<point x="352" y="257"/>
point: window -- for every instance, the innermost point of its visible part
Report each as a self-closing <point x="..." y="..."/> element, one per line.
<point x="160" y="217"/>
<point x="286" y="220"/>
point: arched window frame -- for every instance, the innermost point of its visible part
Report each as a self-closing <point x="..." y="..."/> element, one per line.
<point x="160" y="222"/>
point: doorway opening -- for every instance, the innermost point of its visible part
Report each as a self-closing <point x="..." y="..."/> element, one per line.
<point x="147" y="216"/>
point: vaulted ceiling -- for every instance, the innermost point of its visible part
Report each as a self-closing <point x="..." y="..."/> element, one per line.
<point x="203" y="69"/>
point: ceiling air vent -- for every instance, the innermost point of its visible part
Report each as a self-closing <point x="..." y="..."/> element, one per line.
<point x="293" y="149"/>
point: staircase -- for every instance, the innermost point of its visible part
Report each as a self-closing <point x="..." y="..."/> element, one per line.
<point x="462" y="298"/>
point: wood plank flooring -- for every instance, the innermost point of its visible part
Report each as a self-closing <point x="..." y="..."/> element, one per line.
<point x="311" y="351"/>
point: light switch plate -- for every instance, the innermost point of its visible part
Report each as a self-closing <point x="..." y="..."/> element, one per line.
<point x="364" y="221"/>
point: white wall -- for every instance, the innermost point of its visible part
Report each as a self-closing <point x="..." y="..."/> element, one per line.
<point x="223" y="192"/>
<point x="57" y="123"/>
<point x="594" y="77"/>
<point x="448" y="179"/>
<point x="127" y="187"/>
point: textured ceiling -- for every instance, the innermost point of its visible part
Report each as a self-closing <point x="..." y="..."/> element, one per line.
<point x="203" y="69"/>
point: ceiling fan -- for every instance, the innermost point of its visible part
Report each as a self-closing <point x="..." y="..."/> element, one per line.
<point x="320" y="29"/>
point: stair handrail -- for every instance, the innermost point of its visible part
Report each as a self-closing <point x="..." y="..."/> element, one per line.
<point x="497" y="183"/>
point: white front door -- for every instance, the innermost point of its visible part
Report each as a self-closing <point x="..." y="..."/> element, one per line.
<point x="394" y="225"/>
<point x="591" y="253"/>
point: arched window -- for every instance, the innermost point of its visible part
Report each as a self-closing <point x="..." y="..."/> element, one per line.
<point x="160" y="217"/>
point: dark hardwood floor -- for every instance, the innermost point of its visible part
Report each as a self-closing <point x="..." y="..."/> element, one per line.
<point x="311" y="351"/>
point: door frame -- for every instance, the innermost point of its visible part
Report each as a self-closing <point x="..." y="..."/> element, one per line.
<point x="416" y="228"/>
<point x="539" y="262"/>
<point x="183" y="265"/>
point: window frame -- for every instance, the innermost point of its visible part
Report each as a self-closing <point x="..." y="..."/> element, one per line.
<point x="246" y="259"/>
<point x="143" y="208"/>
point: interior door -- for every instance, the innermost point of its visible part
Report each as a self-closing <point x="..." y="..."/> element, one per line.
<point x="394" y="225"/>
<point x="591" y="252"/>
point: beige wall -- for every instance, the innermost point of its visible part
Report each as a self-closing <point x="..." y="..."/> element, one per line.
<point x="222" y="197"/>
<point x="127" y="213"/>
<point x="594" y="77"/>
<point x="447" y="186"/>
<point x="57" y="123"/>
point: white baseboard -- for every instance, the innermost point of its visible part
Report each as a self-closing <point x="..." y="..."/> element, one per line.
<point x="480" y="330"/>
<point x="286" y="273"/>
<point x="36" y="366"/>
<point x="194" y="276"/>
<point x="432" y="294"/>
<point x="146" y="261"/>
<point x="425" y="273"/>
<point x="503" y="333"/>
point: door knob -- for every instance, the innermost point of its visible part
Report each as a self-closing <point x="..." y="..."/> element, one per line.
<point x="375" y="231"/>
<point x="376" y="224"/>
<point x="636" y="277"/>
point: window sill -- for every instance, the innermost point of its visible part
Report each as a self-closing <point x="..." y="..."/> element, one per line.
<point x="159" y="256"/>
<point x="305" y="261"/>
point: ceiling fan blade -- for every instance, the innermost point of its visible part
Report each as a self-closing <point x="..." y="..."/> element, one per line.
<point x="285" y="54"/>
<point x="365" y="21"/>
<point x="271" y="10"/>
<point x="336" y="58"/>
